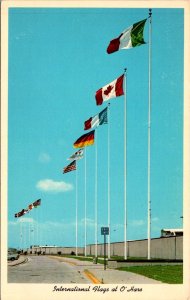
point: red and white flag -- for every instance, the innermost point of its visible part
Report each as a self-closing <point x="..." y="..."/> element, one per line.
<point x="111" y="90"/>
<point x="30" y="207"/>
<point x="70" y="167"/>
<point x="77" y="155"/>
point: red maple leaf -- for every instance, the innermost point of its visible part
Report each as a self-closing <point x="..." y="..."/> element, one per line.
<point x="108" y="90"/>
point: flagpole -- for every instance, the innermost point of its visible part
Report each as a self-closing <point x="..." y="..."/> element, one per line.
<point x="20" y="235"/>
<point x="29" y="233"/>
<point x="23" y="234"/>
<point x="85" y="204"/>
<point x="109" y="182"/>
<point x="149" y="129"/>
<point x="125" y="165"/>
<point x="76" y="215"/>
<point x="96" y="197"/>
<point x="40" y="237"/>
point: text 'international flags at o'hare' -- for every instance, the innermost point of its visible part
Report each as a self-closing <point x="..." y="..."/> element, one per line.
<point x="99" y="119"/>
<point x="70" y="167"/>
<point x="111" y="90"/>
<point x="85" y="140"/>
<point x="129" y="38"/>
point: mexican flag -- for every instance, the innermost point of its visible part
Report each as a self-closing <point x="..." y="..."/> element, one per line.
<point x="129" y="38"/>
<point x="97" y="120"/>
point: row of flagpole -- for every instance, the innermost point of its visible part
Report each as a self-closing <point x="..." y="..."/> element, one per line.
<point x="85" y="207"/>
<point x="108" y="186"/>
<point x="96" y="197"/>
<point x="76" y="212"/>
<point x="73" y="166"/>
<point x="149" y="130"/>
<point x="22" y="232"/>
<point x="28" y="232"/>
<point x="109" y="220"/>
<point x="125" y="168"/>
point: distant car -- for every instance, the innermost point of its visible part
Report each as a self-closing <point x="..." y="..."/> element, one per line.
<point x="12" y="256"/>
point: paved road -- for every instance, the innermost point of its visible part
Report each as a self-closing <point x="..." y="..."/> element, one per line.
<point x="42" y="269"/>
<point x="47" y="269"/>
<point x="109" y="275"/>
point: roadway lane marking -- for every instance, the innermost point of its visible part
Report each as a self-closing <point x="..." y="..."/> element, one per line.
<point x="69" y="262"/>
<point x="87" y="273"/>
<point x="63" y="260"/>
<point x="91" y="277"/>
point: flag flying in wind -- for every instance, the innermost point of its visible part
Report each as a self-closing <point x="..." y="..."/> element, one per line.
<point x="30" y="207"/>
<point x="37" y="203"/>
<point x="70" y="167"/>
<point x="21" y="213"/>
<point x="111" y="90"/>
<point x="129" y="38"/>
<point x="99" y="119"/>
<point x="85" y="140"/>
<point x="34" y="204"/>
<point x="77" y="155"/>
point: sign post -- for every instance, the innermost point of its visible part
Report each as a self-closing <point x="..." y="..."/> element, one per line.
<point x="104" y="232"/>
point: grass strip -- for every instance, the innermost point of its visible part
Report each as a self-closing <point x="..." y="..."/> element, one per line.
<point x="172" y="274"/>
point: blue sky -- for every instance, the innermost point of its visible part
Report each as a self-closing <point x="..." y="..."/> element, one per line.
<point x="57" y="61"/>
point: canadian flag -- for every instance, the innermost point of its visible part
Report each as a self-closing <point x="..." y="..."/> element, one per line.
<point x="111" y="90"/>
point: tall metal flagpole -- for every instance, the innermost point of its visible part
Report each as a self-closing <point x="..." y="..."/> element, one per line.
<point x="109" y="183"/>
<point x="20" y="235"/>
<point x="40" y="238"/>
<point x="76" y="215"/>
<point x="149" y="128"/>
<point x="125" y="165"/>
<point x="29" y="234"/>
<point x="36" y="216"/>
<point x="96" y="196"/>
<point x="85" y="204"/>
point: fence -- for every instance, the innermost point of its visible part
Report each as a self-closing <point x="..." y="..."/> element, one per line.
<point x="164" y="248"/>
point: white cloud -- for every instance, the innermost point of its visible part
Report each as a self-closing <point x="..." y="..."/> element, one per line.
<point x="12" y="223"/>
<point x="117" y="227"/>
<point x="20" y="36"/>
<point x="27" y="220"/>
<point x="48" y="185"/>
<point x="21" y="220"/>
<point x="89" y="222"/>
<point x="44" y="157"/>
<point x="137" y="223"/>
<point x="50" y="224"/>
<point x="155" y="219"/>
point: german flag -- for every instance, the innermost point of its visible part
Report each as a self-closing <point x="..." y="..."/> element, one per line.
<point x="85" y="140"/>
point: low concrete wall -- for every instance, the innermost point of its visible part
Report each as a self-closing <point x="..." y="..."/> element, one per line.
<point x="163" y="248"/>
<point x="117" y="249"/>
<point x="118" y="264"/>
<point x="56" y="250"/>
<point x="137" y="248"/>
<point x="179" y="247"/>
